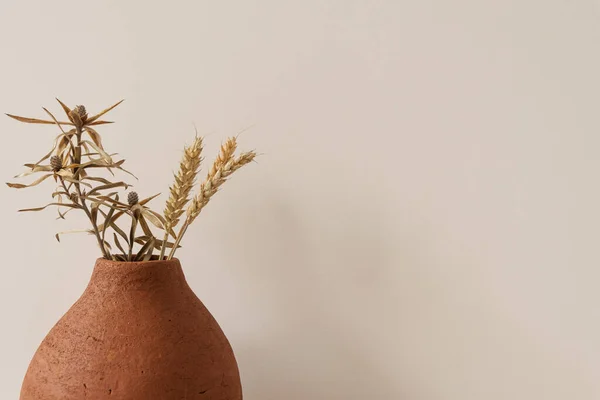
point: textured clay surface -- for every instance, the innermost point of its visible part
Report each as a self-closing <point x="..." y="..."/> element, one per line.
<point x="138" y="332"/>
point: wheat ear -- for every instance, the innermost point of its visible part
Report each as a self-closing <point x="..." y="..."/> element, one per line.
<point x="180" y="190"/>
<point x="212" y="183"/>
<point x="222" y="169"/>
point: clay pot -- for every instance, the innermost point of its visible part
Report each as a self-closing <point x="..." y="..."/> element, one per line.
<point x="138" y="332"/>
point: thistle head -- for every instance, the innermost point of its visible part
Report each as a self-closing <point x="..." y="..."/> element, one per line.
<point x="133" y="198"/>
<point x="56" y="163"/>
<point x="81" y="112"/>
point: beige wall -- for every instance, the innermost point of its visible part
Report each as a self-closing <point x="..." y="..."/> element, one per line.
<point x="423" y="223"/>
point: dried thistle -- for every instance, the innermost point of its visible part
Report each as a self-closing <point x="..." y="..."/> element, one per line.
<point x="79" y="113"/>
<point x="56" y="163"/>
<point x="133" y="198"/>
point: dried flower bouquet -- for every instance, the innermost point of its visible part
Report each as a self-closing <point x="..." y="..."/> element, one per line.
<point x="74" y="163"/>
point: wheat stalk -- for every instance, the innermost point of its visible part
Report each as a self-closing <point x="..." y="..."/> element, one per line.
<point x="223" y="167"/>
<point x="180" y="190"/>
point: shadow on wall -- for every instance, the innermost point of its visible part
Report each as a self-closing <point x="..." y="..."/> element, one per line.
<point x="327" y="286"/>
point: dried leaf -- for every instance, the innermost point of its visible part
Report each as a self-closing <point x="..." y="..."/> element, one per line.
<point x="34" y="169"/>
<point x="54" y="146"/>
<point x="60" y="193"/>
<point x="148" y="255"/>
<point x="97" y="179"/>
<point x="95" y="136"/>
<point x="155" y="218"/>
<point x="147" y="247"/>
<point x="62" y="215"/>
<point x="148" y="199"/>
<point x="35" y="120"/>
<point x="127" y="172"/>
<point x="107" y="219"/>
<point x="110" y="202"/>
<point x="145" y="226"/>
<point x="66" y="109"/>
<point x="104" y="154"/>
<point x="101" y="123"/>
<point x="34" y="183"/>
<point x="89" y="231"/>
<point x="48" y="205"/>
<point x="116" y="240"/>
<point x="107" y="186"/>
<point x="121" y="213"/>
<point x="54" y="119"/>
<point x="157" y="243"/>
<point x="101" y="113"/>
<point x="74" y="181"/>
<point x="95" y="163"/>
<point x="120" y="231"/>
<point x="63" y="142"/>
<point x="94" y="213"/>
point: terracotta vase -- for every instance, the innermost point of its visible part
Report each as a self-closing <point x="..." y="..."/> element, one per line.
<point x="138" y="332"/>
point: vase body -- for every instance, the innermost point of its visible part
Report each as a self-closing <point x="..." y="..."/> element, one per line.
<point x="138" y="332"/>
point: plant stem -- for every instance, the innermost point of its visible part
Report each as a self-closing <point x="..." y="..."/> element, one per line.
<point x="164" y="244"/>
<point x="76" y="173"/>
<point x="89" y="214"/>
<point x="179" y="236"/>
<point x="134" y="223"/>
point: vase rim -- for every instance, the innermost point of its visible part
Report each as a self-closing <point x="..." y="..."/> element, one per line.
<point x="174" y="261"/>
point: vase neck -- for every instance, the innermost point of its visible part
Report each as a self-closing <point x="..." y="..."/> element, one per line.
<point x="117" y="276"/>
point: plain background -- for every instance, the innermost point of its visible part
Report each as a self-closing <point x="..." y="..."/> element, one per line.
<point x="422" y="224"/>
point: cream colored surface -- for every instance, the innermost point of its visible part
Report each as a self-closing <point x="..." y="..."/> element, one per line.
<point x="423" y="223"/>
